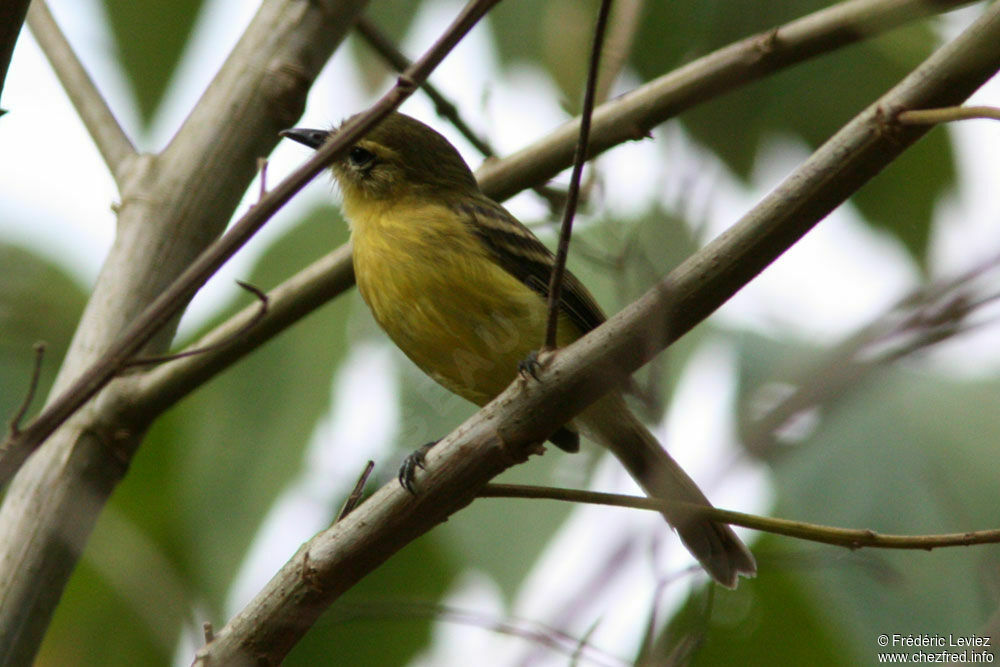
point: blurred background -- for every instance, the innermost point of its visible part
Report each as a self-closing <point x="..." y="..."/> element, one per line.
<point x="855" y="383"/>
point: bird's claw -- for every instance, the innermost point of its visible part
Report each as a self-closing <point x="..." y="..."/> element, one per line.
<point x="408" y="470"/>
<point x="530" y="365"/>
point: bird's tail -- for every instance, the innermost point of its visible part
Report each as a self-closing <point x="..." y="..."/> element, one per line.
<point x="609" y="422"/>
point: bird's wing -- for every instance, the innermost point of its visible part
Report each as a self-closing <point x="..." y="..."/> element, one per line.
<point x="519" y="252"/>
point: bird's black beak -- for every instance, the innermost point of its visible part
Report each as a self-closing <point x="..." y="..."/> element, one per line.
<point x="311" y="138"/>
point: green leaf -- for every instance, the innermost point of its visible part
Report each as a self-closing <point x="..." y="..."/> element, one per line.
<point x="387" y="617"/>
<point x="556" y="35"/>
<point x="392" y="18"/>
<point x="809" y="102"/>
<point x="151" y="36"/>
<point x="900" y="451"/>
<point x="774" y="619"/>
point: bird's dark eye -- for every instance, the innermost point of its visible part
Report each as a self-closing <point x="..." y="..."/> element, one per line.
<point x="361" y="158"/>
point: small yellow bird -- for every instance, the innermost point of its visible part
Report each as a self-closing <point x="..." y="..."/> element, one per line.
<point x="460" y="286"/>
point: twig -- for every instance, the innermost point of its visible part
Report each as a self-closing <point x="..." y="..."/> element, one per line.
<point x="844" y="537"/>
<point x="359" y="489"/>
<point x="115" y="147"/>
<point x="262" y="170"/>
<point x="566" y="231"/>
<point x="383" y="46"/>
<point x="14" y="426"/>
<point x="442" y="105"/>
<point x="160" y="387"/>
<point x="229" y="339"/>
<point x="13" y="451"/>
<point x="625" y="21"/>
<point x="947" y="115"/>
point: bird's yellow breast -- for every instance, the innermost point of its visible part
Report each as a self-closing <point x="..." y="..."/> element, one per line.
<point x="433" y="288"/>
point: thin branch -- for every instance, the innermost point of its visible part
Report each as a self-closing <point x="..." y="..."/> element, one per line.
<point x="13" y="451"/>
<point x="631" y="116"/>
<point x="14" y="426"/>
<point x="444" y="107"/>
<point x="508" y="429"/>
<point x="947" y="115"/>
<point x="625" y="22"/>
<point x="359" y="488"/>
<point x="114" y="145"/>
<point x="566" y="231"/>
<point x="228" y="340"/>
<point x="324" y="279"/>
<point x="851" y="538"/>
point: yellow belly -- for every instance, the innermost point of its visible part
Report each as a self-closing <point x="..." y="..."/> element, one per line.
<point x="435" y="291"/>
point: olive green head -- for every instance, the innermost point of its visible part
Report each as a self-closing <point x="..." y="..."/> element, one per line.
<point x="399" y="157"/>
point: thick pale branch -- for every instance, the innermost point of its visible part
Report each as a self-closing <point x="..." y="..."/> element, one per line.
<point x="175" y="172"/>
<point x="109" y="137"/>
<point x="172" y="206"/>
<point x="502" y="433"/>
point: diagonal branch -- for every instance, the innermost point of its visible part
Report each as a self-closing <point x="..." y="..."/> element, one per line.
<point x="669" y="94"/>
<point x="632" y="115"/>
<point x="444" y="107"/>
<point x="14" y="450"/>
<point x="573" y="195"/>
<point x="503" y="433"/>
<point x="295" y="298"/>
<point x="111" y="140"/>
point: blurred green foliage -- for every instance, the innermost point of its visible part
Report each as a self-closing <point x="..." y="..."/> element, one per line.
<point x="151" y="37"/>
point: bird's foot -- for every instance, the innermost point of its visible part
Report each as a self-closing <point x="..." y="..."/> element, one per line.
<point x="408" y="470"/>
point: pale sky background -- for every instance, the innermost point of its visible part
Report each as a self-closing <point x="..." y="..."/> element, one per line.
<point x="57" y="195"/>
